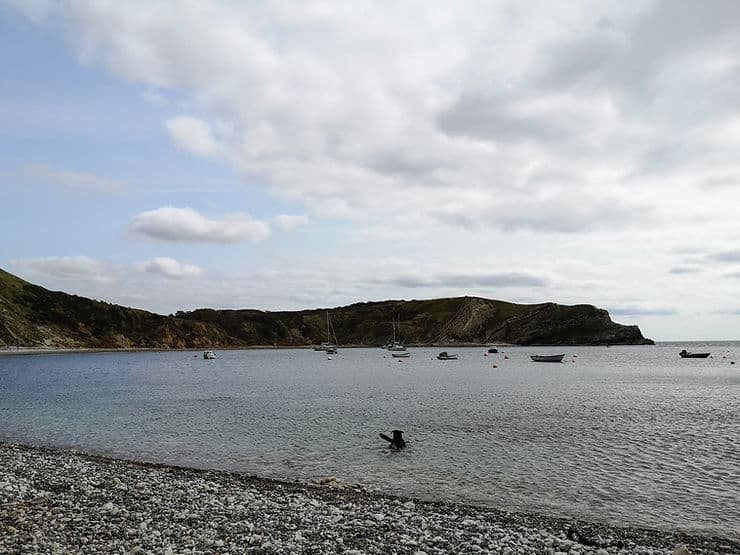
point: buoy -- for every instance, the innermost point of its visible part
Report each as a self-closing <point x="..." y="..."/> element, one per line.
<point x="507" y="356"/>
<point x="495" y="366"/>
<point x="485" y="354"/>
<point x="732" y="362"/>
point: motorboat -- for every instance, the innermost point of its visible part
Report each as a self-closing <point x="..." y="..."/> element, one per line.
<point x="547" y="358"/>
<point x="492" y="350"/>
<point x="444" y="355"/>
<point x="209" y="355"/>
<point x="403" y="354"/>
<point x="686" y="354"/>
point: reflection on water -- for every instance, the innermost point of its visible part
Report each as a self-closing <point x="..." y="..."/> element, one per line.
<point x="626" y="434"/>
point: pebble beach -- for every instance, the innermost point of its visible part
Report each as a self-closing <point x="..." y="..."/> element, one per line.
<point x="56" y="501"/>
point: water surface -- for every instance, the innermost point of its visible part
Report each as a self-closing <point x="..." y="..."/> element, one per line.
<point x="627" y="435"/>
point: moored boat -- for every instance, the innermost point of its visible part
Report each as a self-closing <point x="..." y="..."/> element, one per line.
<point x="209" y="355"/>
<point x="444" y="355"/>
<point x="687" y="354"/>
<point x="403" y="354"/>
<point x="547" y="358"/>
<point x="330" y="346"/>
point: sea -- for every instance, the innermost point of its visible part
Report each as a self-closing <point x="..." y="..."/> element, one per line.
<point x="626" y="435"/>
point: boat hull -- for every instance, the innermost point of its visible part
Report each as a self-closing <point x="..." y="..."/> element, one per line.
<point x="694" y="355"/>
<point x="547" y="358"/>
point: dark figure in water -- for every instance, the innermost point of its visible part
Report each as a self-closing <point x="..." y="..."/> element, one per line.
<point x="396" y="442"/>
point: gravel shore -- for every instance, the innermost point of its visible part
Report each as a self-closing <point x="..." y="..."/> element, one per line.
<point x="54" y="501"/>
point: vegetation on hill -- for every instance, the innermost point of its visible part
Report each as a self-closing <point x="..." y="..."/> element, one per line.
<point x="33" y="316"/>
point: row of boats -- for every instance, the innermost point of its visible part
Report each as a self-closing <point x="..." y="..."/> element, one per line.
<point x="400" y="351"/>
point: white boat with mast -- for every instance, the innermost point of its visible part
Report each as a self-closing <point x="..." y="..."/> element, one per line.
<point x="397" y="345"/>
<point x="330" y="345"/>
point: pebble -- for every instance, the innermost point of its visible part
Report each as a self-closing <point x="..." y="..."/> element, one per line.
<point x="55" y="501"/>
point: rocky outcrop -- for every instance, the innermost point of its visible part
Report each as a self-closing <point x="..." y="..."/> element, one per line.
<point x="33" y="316"/>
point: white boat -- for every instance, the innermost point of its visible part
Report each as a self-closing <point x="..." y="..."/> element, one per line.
<point x="547" y="358"/>
<point x="396" y="345"/>
<point x="404" y="354"/>
<point x="330" y="345"/>
<point x="209" y="355"/>
<point x="444" y="355"/>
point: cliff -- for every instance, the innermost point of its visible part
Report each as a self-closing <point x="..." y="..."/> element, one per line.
<point x="33" y="316"/>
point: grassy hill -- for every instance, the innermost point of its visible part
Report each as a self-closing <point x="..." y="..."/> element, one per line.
<point x="33" y="316"/>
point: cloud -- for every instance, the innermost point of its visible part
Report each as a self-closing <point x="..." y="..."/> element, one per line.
<point x="725" y="256"/>
<point x="71" y="181"/>
<point x="35" y="10"/>
<point x="62" y="268"/>
<point x="472" y="280"/>
<point x="728" y="311"/>
<point x="288" y="222"/>
<point x="186" y="225"/>
<point x="169" y="268"/>
<point x="680" y="270"/>
<point x="193" y="135"/>
<point x="638" y="311"/>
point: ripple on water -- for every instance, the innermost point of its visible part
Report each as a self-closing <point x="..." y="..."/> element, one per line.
<point x="628" y="435"/>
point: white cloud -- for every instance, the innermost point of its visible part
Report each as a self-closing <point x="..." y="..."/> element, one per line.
<point x="75" y="268"/>
<point x="71" y="181"/>
<point x="583" y="136"/>
<point x="186" y="225"/>
<point x="169" y="268"/>
<point x="368" y="113"/>
<point x="194" y="135"/>
<point x="288" y="222"/>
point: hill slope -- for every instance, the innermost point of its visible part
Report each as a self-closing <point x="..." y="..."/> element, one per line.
<point x="33" y="316"/>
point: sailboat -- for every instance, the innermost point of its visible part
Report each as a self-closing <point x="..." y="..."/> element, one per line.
<point x="397" y="345"/>
<point x="330" y="345"/>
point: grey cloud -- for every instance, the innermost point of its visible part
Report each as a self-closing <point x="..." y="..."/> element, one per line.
<point x="403" y="163"/>
<point x="493" y="118"/>
<point x="678" y="270"/>
<point x="722" y="181"/>
<point x="582" y="214"/>
<point x="570" y="64"/>
<point x="725" y="256"/>
<point x="728" y="311"/>
<point x="471" y="280"/>
<point x="636" y="311"/>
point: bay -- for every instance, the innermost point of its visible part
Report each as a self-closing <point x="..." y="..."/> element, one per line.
<point x="624" y="435"/>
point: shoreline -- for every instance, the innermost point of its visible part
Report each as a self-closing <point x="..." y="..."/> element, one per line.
<point x="56" y="501"/>
<point x="11" y="351"/>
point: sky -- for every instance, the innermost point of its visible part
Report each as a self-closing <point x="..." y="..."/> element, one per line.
<point x="281" y="155"/>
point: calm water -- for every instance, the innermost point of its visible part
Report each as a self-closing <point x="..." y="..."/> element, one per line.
<point x="630" y="435"/>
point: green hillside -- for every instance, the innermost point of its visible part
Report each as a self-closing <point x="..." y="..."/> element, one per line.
<point x="33" y="316"/>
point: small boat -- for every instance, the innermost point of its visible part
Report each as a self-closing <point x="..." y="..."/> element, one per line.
<point x="547" y="358"/>
<point x="396" y="345"/>
<point x="209" y="355"/>
<point x="330" y="346"/>
<point x="404" y="354"/>
<point x="492" y="350"/>
<point x="444" y="355"/>
<point x="686" y="354"/>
